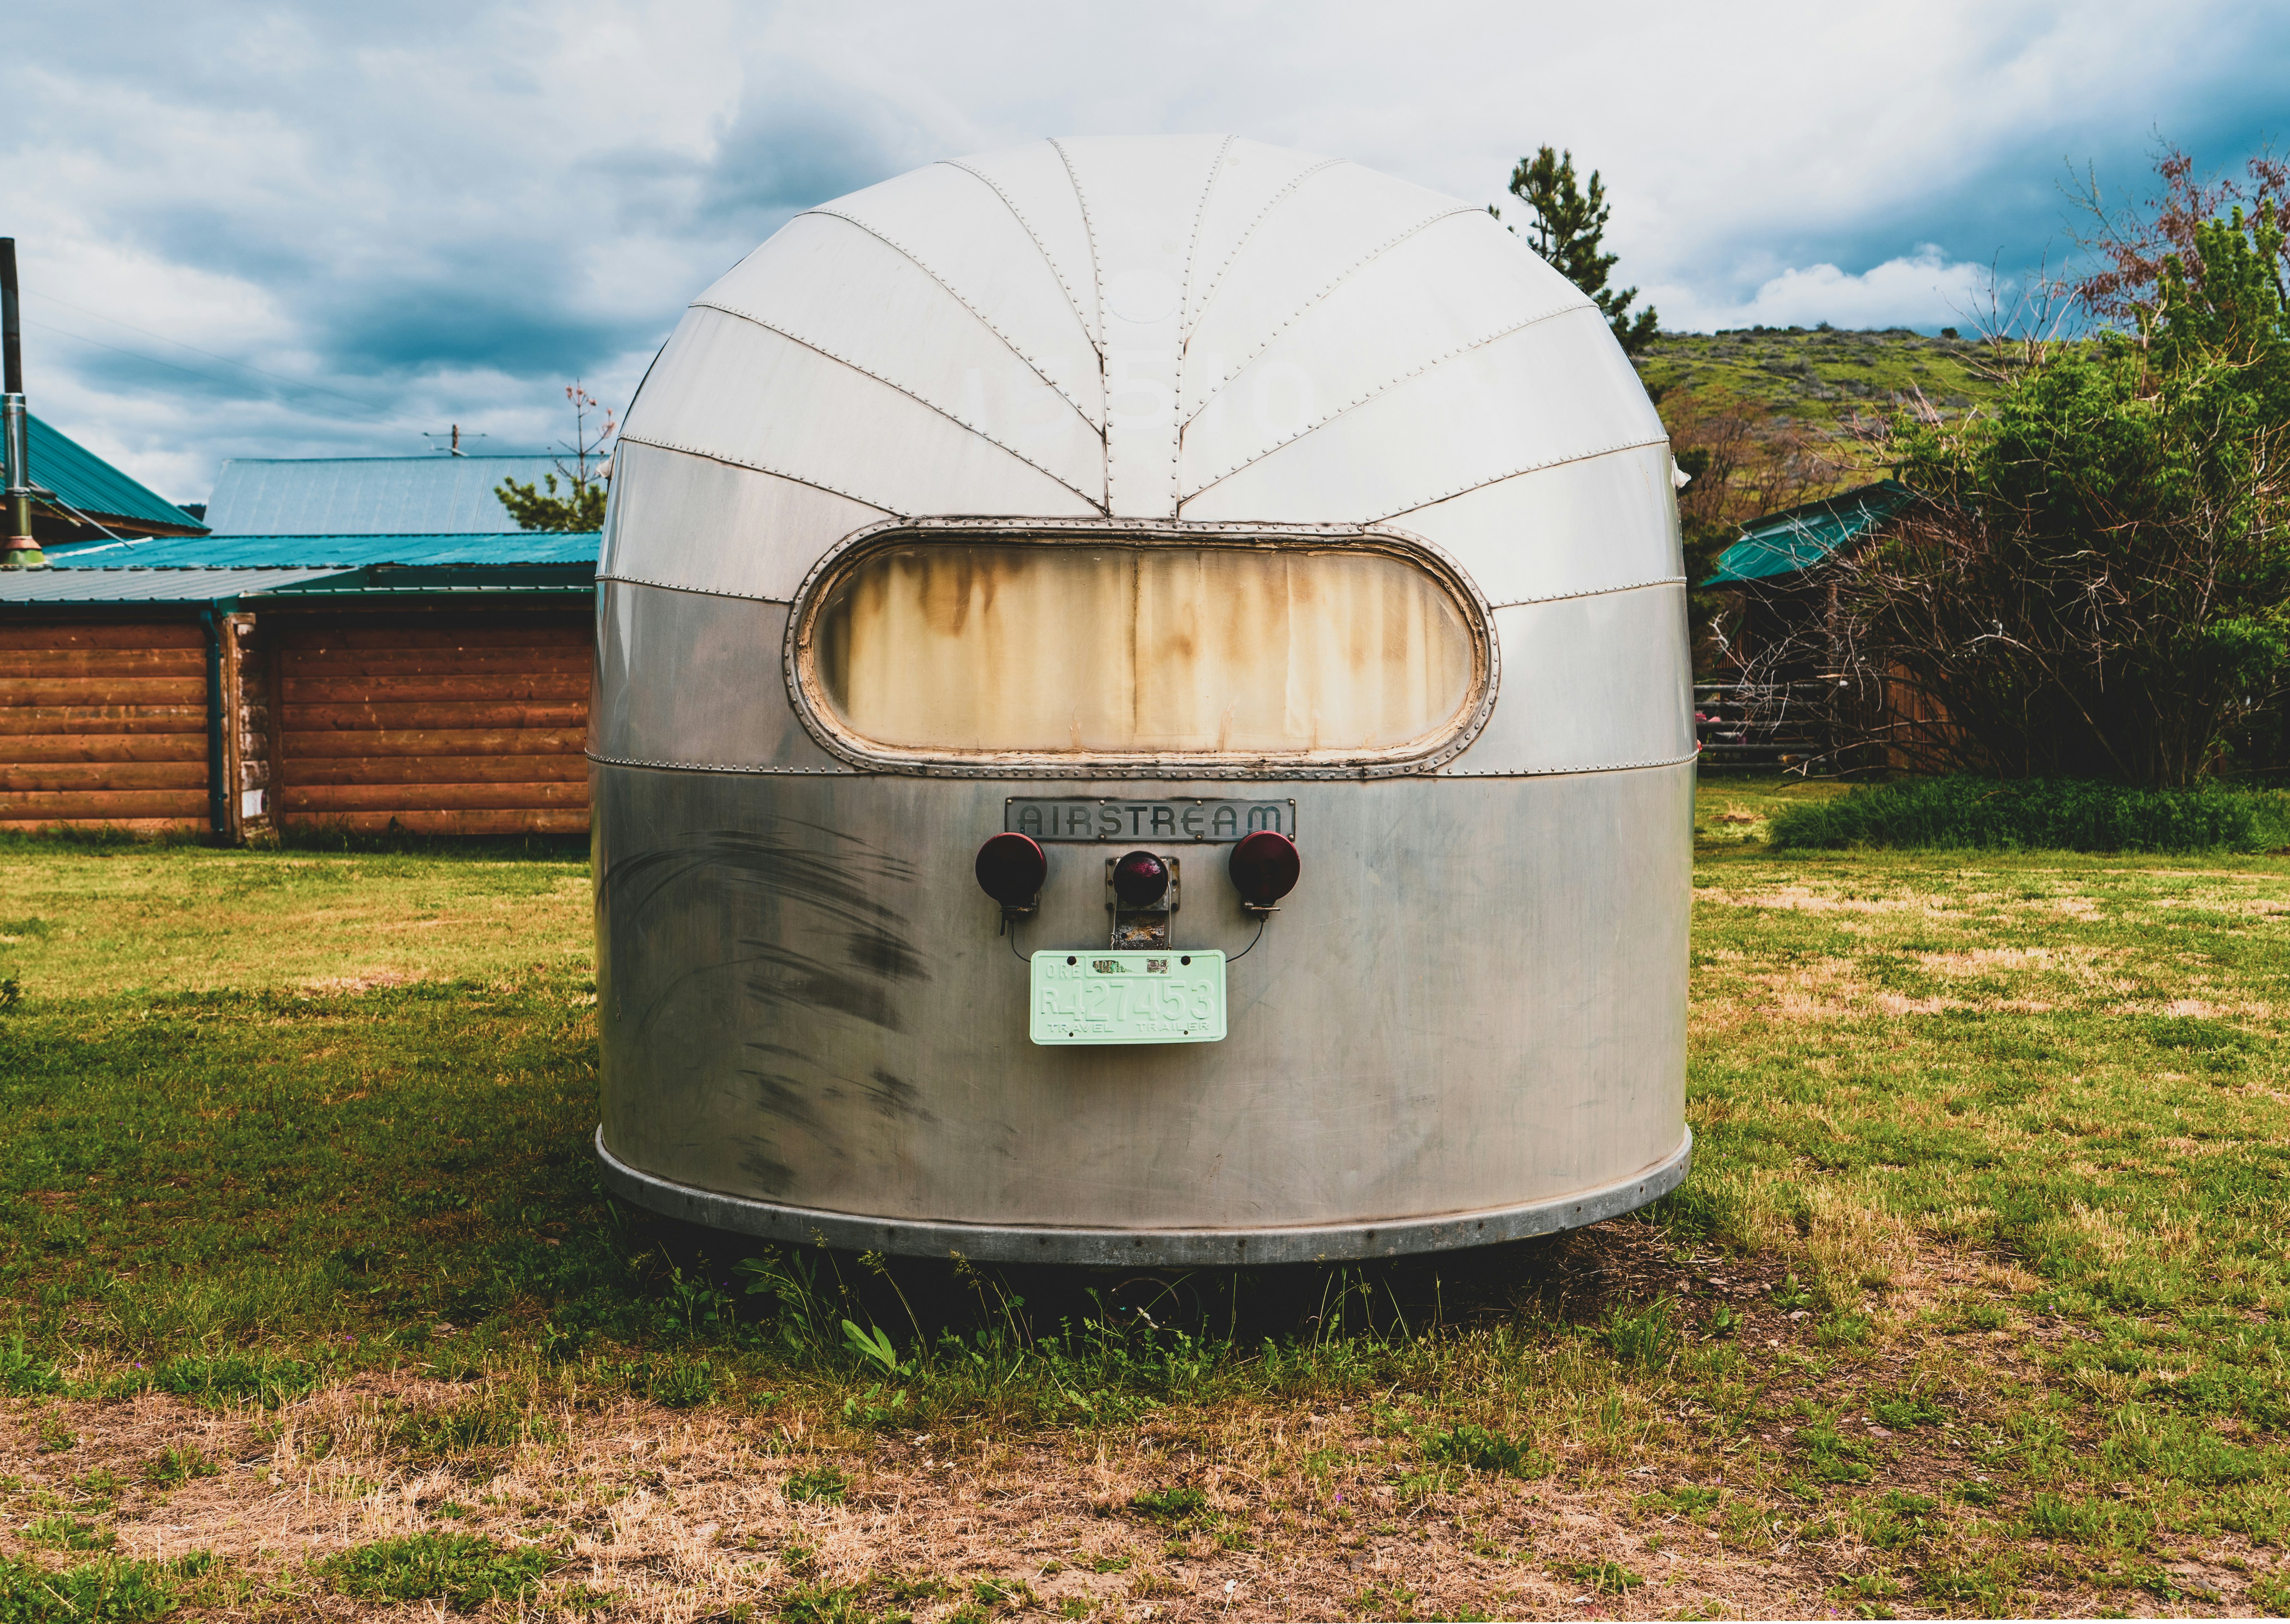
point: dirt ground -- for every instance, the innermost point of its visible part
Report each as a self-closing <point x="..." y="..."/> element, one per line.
<point x="1303" y="1512"/>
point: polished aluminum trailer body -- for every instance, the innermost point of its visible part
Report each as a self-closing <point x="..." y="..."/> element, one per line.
<point x="1466" y="1024"/>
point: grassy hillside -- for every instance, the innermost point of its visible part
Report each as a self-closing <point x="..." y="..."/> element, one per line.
<point x="1826" y="379"/>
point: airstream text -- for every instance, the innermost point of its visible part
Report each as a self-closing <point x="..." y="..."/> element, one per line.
<point x="1213" y="822"/>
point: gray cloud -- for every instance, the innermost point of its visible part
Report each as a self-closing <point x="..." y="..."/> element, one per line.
<point x="326" y="229"/>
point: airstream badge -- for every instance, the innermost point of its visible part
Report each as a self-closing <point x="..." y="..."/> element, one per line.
<point x="1208" y="822"/>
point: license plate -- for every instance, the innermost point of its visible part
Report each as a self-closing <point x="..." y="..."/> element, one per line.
<point x="1121" y="996"/>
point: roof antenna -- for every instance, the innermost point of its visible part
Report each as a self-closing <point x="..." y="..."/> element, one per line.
<point x="452" y="446"/>
<point x="17" y="550"/>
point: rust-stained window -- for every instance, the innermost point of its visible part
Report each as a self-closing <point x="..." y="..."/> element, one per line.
<point x="1094" y="650"/>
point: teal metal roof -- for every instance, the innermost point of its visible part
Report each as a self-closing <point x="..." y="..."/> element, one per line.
<point x="514" y="547"/>
<point x="1792" y="541"/>
<point x="61" y="464"/>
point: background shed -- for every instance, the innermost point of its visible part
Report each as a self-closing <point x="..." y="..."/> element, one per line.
<point x="432" y="683"/>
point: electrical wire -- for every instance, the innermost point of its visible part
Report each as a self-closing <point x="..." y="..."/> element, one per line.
<point x="1261" y="921"/>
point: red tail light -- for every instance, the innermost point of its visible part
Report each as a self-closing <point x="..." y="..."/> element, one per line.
<point x="1265" y="867"/>
<point x="1011" y="869"/>
<point x="1140" y="879"/>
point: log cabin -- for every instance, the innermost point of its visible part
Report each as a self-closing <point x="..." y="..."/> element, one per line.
<point x="240" y="686"/>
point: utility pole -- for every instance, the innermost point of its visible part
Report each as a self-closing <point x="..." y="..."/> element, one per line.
<point x="17" y="550"/>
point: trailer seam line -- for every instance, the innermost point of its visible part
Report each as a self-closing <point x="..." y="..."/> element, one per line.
<point x="821" y="349"/>
<point x="956" y="293"/>
<point x="1043" y="248"/>
<point x="1216" y="282"/>
<point x="1383" y="388"/>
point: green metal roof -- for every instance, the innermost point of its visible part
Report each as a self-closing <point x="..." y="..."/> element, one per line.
<point x="1795" y="540"/>
<point x="520" y="547"/>
<point x="61" y="464"/>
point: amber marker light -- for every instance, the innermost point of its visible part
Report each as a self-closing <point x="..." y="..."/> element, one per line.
<point x="1140" y="879"/>
<point x="1011" y="869"/>
<point x="1264" y="867"/>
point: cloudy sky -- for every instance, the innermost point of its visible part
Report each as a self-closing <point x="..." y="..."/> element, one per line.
<point x="284" y="230"/>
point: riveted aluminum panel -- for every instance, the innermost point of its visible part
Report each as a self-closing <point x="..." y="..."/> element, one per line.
<point x="689" y="679"/>
<point x="726" y="388"/>
<point x="1590" y="525"/>
<point x="828" y="284"/>
<point x="1459" y="284"/>
<point x="678" y="520"/>
<point x="958" y="230"/>
<point x="1556" y="390"/>
<point x="1142" y="204"/>
<point x="1590" y="683"/>
<point x="1251" y="179"/>
<point x="1322" y="231"/>
<point x="1474" y="1003"/>
<point x="1033" y="183"/>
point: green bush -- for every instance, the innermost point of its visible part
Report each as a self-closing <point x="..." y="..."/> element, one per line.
<point x="2067" y="814"/>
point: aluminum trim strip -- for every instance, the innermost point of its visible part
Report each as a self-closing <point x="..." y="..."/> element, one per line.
<point x="737" y="597"/>
<point x="1096" y="261"/>
<point x="1088" y="332"/>
<point x="1151" y="1248"/>
<point x="1613" y="766"/>
<point x="920" y="399"/>
<point x="728" y="460"/>
<point x="1561" y="597"/>
<point x="1382" y="389"/>
<point x="1524" y="468"/>
<point x="1337" y="281"/>
<point x="1208" y="295"/>
<point x="1033" y="364"/>
<point x="718" y="766"/>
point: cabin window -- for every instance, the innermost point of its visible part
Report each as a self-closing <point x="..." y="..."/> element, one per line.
<point x="1087" y="650"/>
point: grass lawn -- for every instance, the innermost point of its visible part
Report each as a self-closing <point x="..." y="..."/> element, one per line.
<point x="1975" y="1302"/>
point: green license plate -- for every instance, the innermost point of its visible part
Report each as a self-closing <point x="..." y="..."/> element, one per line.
<point x="1122" y="997"/>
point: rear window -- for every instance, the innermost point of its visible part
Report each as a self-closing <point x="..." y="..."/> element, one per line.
<point x="1084" y="648"/>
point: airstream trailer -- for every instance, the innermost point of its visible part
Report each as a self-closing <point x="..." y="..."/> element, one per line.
<point x="1141" y="716"/>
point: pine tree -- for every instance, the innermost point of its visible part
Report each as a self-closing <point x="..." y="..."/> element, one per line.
<point x="1568" y="228"/>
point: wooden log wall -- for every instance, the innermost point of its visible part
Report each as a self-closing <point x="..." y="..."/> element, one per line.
<point x="475" y="728"/>
<point x="103" y="723"/>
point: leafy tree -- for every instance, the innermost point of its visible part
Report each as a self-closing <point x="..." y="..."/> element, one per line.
<point x="587" y="480"/>
<point x="2099" y="585"/>
<point x="1568" y="228"/>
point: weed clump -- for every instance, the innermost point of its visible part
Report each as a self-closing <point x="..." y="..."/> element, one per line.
<point x="1170" y="1508"/>
<point x="1484" y="1450"/>
<point x="24" y="1374"/>
<point x="463" y="1570"/>
<point x="267" y="1379"/>
<point x="817" y="1485"/>
<point x="1959" y="810"/>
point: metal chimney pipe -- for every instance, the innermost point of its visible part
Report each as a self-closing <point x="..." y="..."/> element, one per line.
<point x="17" y="550"/>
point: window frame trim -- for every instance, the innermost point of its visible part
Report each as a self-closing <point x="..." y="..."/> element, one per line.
<point x="1419" y="757"/>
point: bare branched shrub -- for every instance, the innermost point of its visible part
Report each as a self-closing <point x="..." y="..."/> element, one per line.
<point x="2096" y="592"/>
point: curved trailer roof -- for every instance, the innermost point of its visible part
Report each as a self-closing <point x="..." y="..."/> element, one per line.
<point x="1191" y="328"/>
